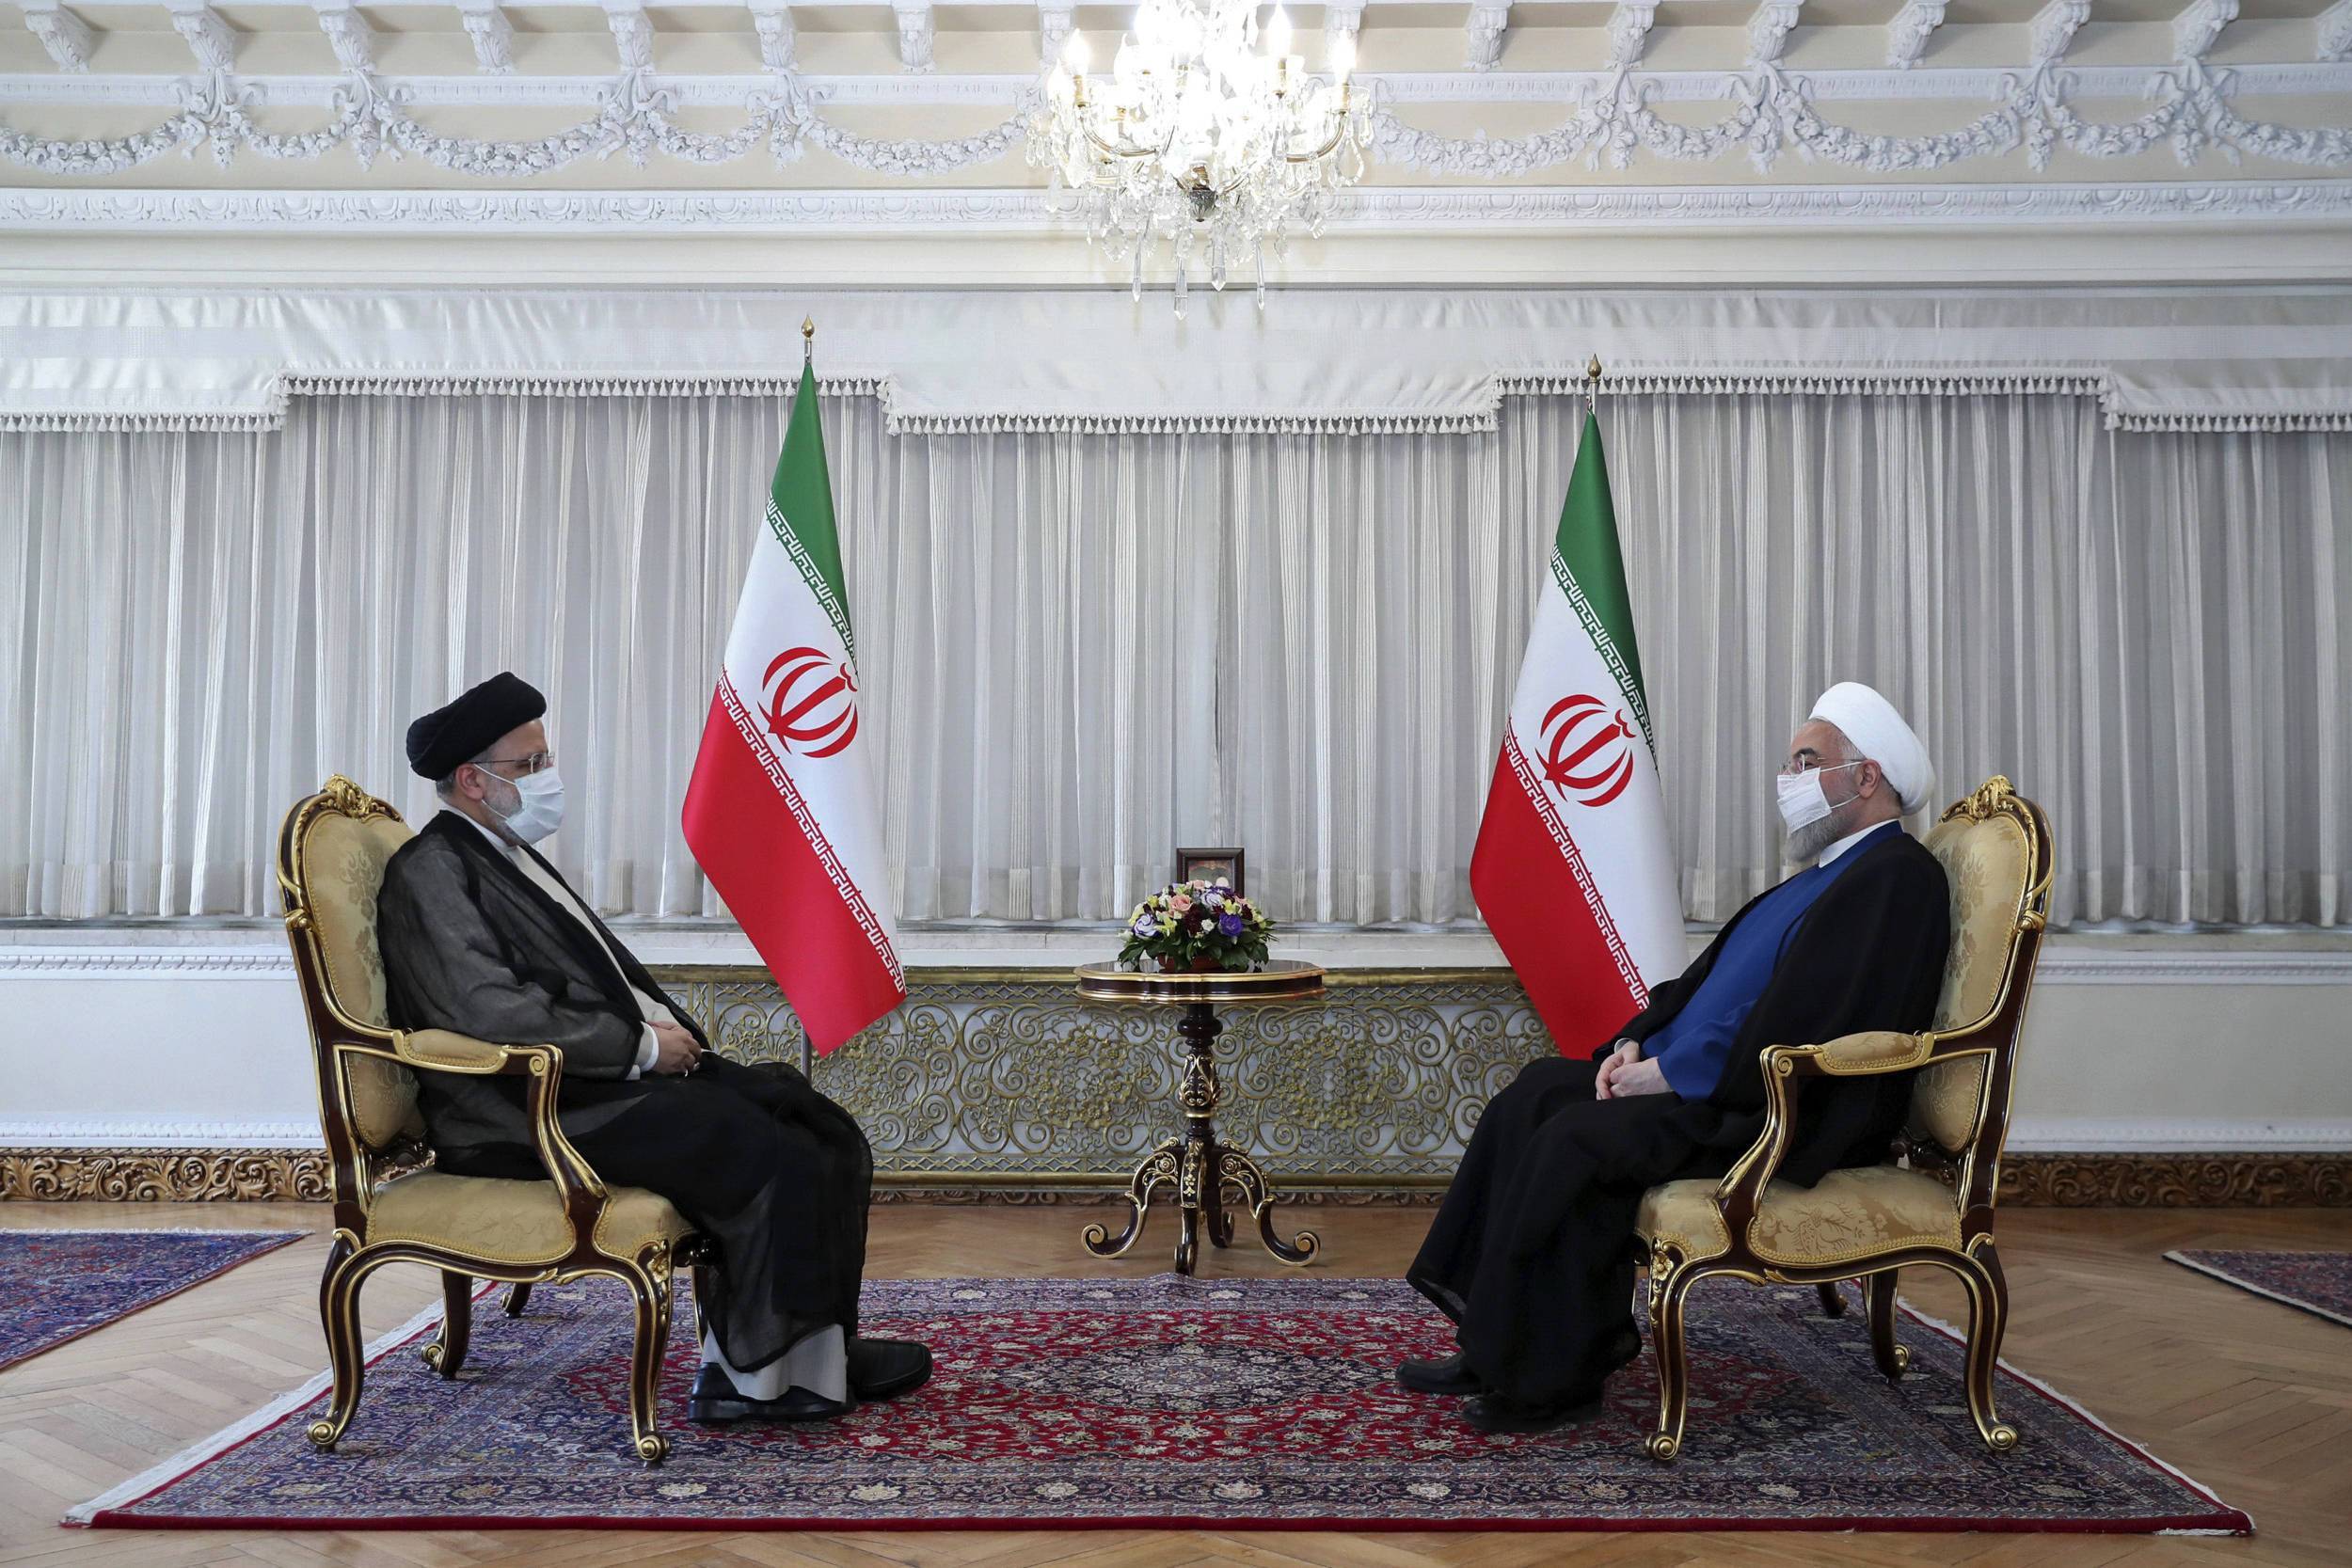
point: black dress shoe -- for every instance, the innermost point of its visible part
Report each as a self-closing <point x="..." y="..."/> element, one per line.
<point x="1496" y="1414"/>
<point x="885" y="1369"/>
<point x="1451" y="1375"/>
<point x="715" y="1401"/>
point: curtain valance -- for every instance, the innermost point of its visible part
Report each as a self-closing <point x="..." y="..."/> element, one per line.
<point x="1318" y="361"/>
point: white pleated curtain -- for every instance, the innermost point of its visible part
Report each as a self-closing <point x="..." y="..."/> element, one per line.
<point x="1080" y="650"/>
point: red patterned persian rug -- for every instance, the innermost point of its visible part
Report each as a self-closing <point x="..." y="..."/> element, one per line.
<point x="59" y="1285"/>
<point x="1265" y="1403"/>
<point x="2318" y="1282"/>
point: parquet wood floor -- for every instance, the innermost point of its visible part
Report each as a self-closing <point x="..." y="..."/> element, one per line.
<point x="2250" y="1396"/>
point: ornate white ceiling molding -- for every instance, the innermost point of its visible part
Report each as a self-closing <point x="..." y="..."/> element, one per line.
<point x="1770" y="27"/>
<point x="1908" y="33"/>
<point x="492" y="35"/>
<point x="1055" y="20"/>
<point x="1629" y="32"/>
<point x="1483" y="32"/>
<point x="1375" y="209"/>
<point x="64" y="36"/>
<point x="2192" y="112"/>
<point x="211" y="39"/>
<point x="772" y="21"/>
<point x="1343" y="19"/>
<point x="2332" y="32"/>
<point x="632" y="33"/>
<point x="2198" y="25"/>
<point x="1008" y="90"/>
<point x="916" y="31"/>
<point x="2053" y="28"/>
<point x="348" y="33"/>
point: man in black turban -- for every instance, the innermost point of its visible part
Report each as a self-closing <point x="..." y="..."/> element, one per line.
<point x="479" y="935"/>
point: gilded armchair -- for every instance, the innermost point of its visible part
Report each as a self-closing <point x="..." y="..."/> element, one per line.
<point x="1868" y="1224"/>
<point x="331" y="854"/>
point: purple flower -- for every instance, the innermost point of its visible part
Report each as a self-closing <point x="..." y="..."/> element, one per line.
<point x="1146" y="926"/>
<point x="1229" y="923"/>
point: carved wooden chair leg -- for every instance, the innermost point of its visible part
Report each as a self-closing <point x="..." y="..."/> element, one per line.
<point x="517" y="1297"/>
<point x="649" y="1282"/>
<point x="447" y="1352"/>
<point x="1669" y="1285"/>
<point x="1988" y="1321"/>
<point x="1833" y="1299"/>
<point x="339" y="1314"/>
<point x="1877" y="1292"/>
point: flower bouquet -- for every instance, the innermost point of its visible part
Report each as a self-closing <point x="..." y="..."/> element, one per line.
<point x="1196" y="926"/>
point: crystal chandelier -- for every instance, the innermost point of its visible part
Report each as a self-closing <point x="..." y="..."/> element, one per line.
<point x="1199" y="140"/>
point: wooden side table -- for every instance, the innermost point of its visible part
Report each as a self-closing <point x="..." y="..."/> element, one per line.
<point x="1195" y="1163"/>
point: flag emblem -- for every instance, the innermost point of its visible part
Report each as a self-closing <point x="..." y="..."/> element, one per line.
<point x="812" y="700"/>
<point x="1588" y="755"/>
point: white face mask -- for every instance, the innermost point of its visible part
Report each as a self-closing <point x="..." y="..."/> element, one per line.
<point x="1802" y="801"/>
<point x="538" y="809"/>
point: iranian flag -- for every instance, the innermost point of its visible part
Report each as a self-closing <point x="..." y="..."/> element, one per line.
<point x="1573" y="870"/>
<point x="781" y="809"/>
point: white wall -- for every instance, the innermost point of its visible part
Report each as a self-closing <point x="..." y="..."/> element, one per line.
<point x="195" y="1038"/>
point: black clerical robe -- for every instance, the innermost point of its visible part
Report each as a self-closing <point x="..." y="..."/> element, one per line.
<point x="1528" y="1253"/>
<point x="778" y="1175"/>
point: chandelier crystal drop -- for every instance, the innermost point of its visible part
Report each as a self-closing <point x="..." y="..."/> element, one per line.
<point x="1201" y="139"/>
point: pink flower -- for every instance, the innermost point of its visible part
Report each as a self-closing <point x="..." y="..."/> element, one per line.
<point x="1179" y="904"/>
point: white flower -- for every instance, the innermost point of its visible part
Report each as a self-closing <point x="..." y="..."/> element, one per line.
<point x="684" y="1489"/>
<point x="1056" y="1490"/>
<point x="876" y="1493"/>
<point x="1432" y="1490"/>
<point x="1238" y="1491"/>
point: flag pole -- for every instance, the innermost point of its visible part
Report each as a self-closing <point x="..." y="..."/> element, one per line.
<point x="808" y="354"/>
<point x="1592" y="383"/>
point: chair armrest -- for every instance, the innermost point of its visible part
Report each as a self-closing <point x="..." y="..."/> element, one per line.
<point x="446" y="1051"/>
<point x="1872" y="1053"/>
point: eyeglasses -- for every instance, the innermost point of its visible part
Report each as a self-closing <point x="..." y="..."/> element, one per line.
<point x="537" y="762"/>
<point x="1815" y="765"/>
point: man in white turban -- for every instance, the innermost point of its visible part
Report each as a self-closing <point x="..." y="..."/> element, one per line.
<point x="1529" y="1254"/>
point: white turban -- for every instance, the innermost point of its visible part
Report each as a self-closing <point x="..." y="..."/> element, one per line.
<point x="1878" y="733"/>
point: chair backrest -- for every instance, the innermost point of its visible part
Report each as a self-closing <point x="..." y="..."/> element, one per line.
<point x="1995" y="850"/>
<point x="330" y="861"/>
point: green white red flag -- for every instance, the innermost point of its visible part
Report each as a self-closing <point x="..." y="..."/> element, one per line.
<point x="1573" y="869"/>
<point x="781" y="809"/>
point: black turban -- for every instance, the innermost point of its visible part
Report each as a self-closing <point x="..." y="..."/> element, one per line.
<point x="446" y="737"/>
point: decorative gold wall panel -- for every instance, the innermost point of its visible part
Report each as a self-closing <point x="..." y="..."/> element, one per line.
<point x="164" y="1175"/>
<point x="1008" y="1074"/>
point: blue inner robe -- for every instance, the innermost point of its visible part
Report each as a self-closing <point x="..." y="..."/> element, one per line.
<point x="1691" y="1049"/>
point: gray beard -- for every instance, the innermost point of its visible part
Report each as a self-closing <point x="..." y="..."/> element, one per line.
<point x="1804" y="845"/>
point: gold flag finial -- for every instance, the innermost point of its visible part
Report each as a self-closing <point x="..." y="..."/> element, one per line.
<point x="1592" y="383"/>
<point x="808" y="338"/>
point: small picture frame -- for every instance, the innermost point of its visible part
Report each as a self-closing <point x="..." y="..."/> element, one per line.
<point x="1209" y="864"/>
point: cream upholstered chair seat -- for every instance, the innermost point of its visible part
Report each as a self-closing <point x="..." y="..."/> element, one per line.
<point x="1871" y="1222"/>
<point x="515" y="1222"/>
<point x="1848" y="1217"/>
<point x="511" y="1221"/>
<point x="331" y="855"/>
